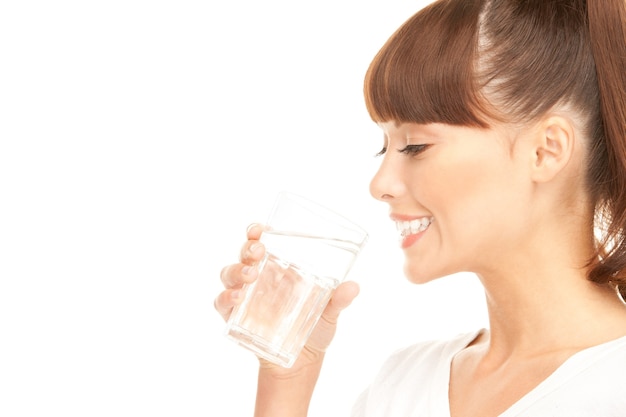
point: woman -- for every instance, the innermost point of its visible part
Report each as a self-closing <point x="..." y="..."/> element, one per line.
<point x="504" y="127"/>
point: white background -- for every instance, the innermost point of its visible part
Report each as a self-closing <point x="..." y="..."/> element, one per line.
<point x="137" y="141"/>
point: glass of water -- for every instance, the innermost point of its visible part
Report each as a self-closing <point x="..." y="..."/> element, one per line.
<point x="309" y="251"/>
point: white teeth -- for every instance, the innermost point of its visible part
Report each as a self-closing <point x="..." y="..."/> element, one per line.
<point x="414" y="226"/>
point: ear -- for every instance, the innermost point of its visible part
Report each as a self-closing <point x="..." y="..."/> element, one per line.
<point x="553" y="147"/>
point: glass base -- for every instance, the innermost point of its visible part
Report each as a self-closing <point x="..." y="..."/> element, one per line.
<point x="260" y="347"/>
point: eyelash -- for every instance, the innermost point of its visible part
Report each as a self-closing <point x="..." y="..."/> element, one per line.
<point x="407" y="150"/>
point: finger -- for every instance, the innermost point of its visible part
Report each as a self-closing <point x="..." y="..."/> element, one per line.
<point x="252" y="252"/>
<point x="344" y="294"/>
<point x="225" y="302"/>
<point x="236" y="275"/>
<point x="253" y="232"/>
<point x="327" y="325"/>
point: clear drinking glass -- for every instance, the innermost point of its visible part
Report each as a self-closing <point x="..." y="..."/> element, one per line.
<point x="309" y="251"/>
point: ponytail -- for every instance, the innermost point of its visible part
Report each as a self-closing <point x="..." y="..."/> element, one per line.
<point x="607" y="31"/>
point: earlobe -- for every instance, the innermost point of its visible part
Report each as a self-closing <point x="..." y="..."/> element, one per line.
<point x="554" y="148"/>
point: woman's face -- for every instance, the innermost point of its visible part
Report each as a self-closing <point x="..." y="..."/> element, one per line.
<point x="457" y="195"/>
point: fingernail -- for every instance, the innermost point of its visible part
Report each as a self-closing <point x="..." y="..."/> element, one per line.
<point x="246" y="270"/>
<point x="235" y="294"/>
<point x="255" y="246"/>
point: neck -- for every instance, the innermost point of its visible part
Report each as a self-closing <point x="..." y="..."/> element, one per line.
<point x="542" y="305"/>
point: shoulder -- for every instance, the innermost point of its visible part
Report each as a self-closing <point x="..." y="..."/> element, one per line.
<point x="412" y="380"/>
<point x="426" y="355"/>
<point x="432" y="349"/>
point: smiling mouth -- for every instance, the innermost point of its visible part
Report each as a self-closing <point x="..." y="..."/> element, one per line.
<point x="413" y="227"/>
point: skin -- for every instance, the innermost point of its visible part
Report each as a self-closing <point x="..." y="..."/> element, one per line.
<point x="509" y="204"/>
<point x="283" y="392"/>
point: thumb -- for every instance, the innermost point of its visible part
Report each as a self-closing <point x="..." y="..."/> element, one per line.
<point x="344" y="294"/>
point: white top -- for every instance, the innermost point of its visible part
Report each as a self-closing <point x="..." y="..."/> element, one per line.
<point x="414" y="382"/>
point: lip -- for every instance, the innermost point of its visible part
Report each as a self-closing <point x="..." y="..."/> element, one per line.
<point x="409" y="240"/>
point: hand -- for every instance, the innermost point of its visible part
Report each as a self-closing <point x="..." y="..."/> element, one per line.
<point x="235" y="276"/>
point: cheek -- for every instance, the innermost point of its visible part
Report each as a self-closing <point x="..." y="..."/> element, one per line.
<point x="459" y="185"/>
<point x="465" y="195"/>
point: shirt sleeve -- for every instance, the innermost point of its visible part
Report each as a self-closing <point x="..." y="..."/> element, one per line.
<point x="358" y="409"/>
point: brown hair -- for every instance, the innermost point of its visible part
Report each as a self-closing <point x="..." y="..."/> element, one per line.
<point x="468" y="62"/>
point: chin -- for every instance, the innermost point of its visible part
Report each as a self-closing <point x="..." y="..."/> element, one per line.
<point x="417" y="275"/>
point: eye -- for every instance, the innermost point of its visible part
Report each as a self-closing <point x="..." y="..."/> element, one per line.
<point x="382" y="151"/>
<point x="414" y="149"/>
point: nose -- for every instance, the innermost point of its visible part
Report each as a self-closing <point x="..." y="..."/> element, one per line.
<point x="387" y="184"/>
